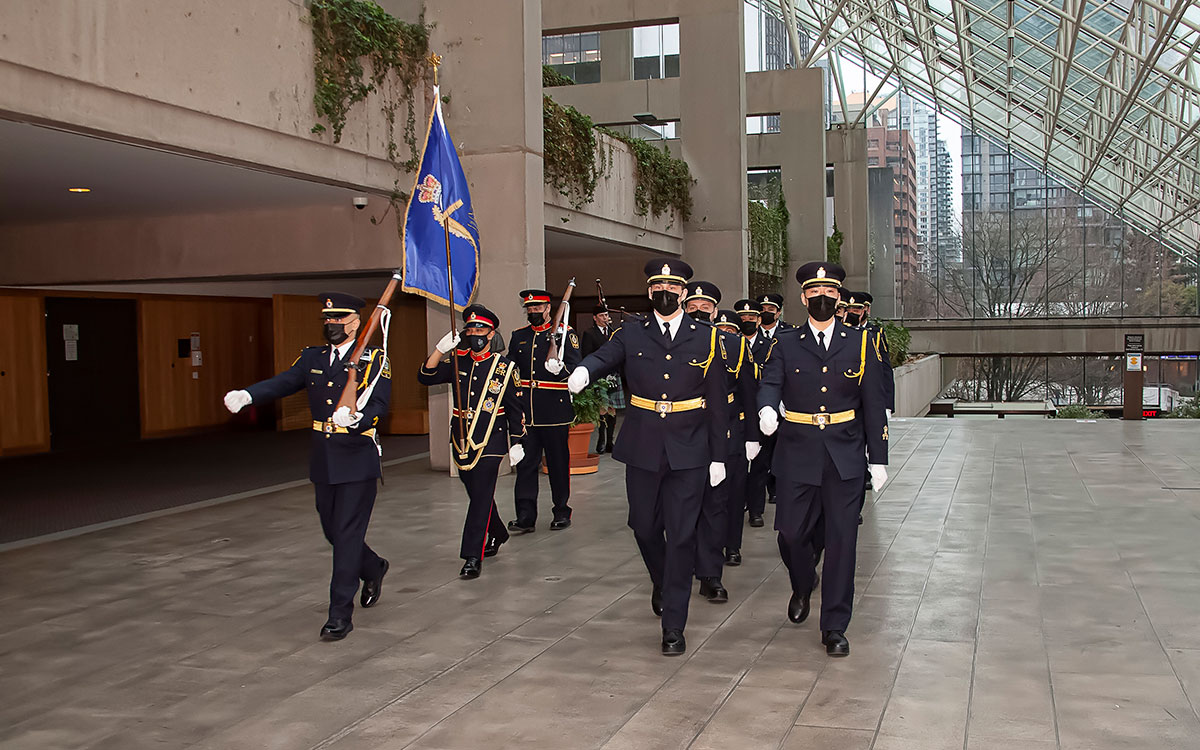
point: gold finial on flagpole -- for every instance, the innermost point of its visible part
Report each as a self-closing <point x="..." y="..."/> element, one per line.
<point x="434" y="60"/>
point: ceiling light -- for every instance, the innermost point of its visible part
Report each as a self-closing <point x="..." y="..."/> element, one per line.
<point x="79" y="190"/>
<point x="647" y="118"/>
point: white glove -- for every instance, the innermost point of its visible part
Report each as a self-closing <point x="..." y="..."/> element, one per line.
<point x="888" y="412"/>
<point x="343" y="418"/>
<point x="516" y="453"/>
<point x="555" y="366"/>
<point x="878" y="475"/>
<point x="752" y="449"/>
<point x="768" y="421"/>
<point x="716" y="473"/>
<point x="448" y="342"/>
<point x="235" y="401"/>
<point x="578" y="380"/>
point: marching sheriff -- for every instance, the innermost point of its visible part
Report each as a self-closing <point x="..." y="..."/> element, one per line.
<point x="829" y="379"/>
<point x="344" y="465"/>
<point x="542" y="389"/>
<point x="674" y="438"/>
<point x="487" y="423"/>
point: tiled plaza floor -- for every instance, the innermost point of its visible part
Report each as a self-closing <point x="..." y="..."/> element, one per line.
<point x="1021" y="585"/>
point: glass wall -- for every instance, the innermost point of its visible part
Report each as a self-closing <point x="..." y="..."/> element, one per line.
<point x="1031" y="247"/>
<point x="576" y="56"/>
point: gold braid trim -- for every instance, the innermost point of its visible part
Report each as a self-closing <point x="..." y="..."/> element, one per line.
<point x="862" y="361"/>
<point x="712" y="352"/>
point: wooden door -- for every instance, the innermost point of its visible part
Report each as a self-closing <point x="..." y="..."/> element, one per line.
<point x="24" y="410"/>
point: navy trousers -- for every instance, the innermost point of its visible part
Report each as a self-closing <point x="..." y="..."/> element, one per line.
<point x="553" y="442"/>
<point x="762" y="481"/>
<point x="664" y="511"/>
<point x="483" y="520"/>
<point x="722" y="517"/>
<point x="345" y="511"/>
<point x="801" y="507"/>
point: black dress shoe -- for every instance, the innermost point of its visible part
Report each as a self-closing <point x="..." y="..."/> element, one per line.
<point x="756" y="521"/>
<point x="471" y="568"/>
<point x="798" y="608"/>
<point x="771" y="499"/>
<point x="712" y="590"/>
<point x="336" y="630"/>
<point x="516" y="528"/>
<point x="860" y="519"/>
<point x="733" y="557"/>
<point x="835" y="643"/>
<point x="673" y="643"/>
<point x="656" y="601"/>
<point x="492" y="548"/>
<point x="373" y="588"/>
<point x="559" y="524"/>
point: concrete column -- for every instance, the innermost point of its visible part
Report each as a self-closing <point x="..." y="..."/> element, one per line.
<point x="712" y="94"/>
<point x="848" y="154"/>
<point x="616" y="55"/>
<point x="881" y="241"/>
<point x="492" y="73"/>
<point x="802" y="127"/>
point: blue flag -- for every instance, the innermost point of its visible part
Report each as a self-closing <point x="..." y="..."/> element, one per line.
<point x="440" y="204"/>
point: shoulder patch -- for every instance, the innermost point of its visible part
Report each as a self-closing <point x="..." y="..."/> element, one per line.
<point x="573" y="339"/>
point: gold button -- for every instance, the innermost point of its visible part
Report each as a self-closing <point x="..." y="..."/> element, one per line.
<point x="797" y="369"/>
<point x="823" y="389"/>
<point x="823" y="369"/>
<point x="664" y="395"/>
<point x="668" y="356"/>
<point x="666" y="376"/>
<point x="822" y="408"/>
<point x="329" y="384"/>
<point x="328" y="401"/>
<point x="821" y="426"/>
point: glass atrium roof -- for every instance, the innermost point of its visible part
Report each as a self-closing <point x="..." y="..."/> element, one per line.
<point x="1104" y="94"/>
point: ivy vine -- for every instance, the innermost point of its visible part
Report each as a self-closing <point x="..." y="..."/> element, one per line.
<point x="352" y="37"/>
<point x="575" y="160"/>
<point x="833" y="245"/>
<point x="552" y="78"/>
<point x="768" y="225"/>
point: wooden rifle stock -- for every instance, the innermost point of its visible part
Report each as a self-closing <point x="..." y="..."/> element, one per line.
<point x="553" y="353"/>
<point x="349" y="397"/>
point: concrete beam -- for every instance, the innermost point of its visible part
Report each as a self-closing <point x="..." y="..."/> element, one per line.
<point x="1053" y="337"/>
<point x="847" y="152"/>
<point x="571" y="16"/>
<point x="616" y="102"/>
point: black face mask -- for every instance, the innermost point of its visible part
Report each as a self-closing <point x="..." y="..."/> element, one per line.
<point x="701" y="315"/>
<point x="748" y="327"/>
<point x="822" y="307"/>
<point x="853" y="319"/>
<point x="768" y="318"/>
<point x="536" y="318"/>
<point x="476" y="341"/>
<point x="335" y="333"/>
<point x="664" y="302"/>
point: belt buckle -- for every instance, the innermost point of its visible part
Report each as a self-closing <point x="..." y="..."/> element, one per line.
<point x="663" y="408"/>
<point x="327" y="427"/>
<point x="821" y="419"/>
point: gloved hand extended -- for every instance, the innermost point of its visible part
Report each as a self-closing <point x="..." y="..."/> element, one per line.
<point x="515" y="454"/>
<point x="343" y="418"/>
<point x="878" y="475"/>
<point x="768" y="420"/>
<point x="235" y="401"/>
<point x="579" y="379"/>
<point x="752" y="449"/>
<point x="716" y="473"/>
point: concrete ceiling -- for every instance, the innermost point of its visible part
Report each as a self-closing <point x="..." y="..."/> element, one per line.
<point x="566" y="246"/>
<point x="38" y="164"/>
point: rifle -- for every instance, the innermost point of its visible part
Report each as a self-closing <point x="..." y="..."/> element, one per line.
<point x="563" y="309"/>
<point x="349" y="397"/>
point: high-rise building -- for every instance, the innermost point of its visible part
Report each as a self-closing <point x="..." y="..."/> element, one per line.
<point x="894" y="148"/>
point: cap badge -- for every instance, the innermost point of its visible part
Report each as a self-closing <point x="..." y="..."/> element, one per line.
<point x="666" y="269"/>
<point x="821" y="272"/>
<point x="328" y="302"/>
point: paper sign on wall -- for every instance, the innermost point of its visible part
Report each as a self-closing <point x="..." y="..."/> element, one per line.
<point x="195" y="342"/>
<point x="70" y="332"/>
<point x="71" y="350"/>
<point x="1133" y="363"/>
<point x="197" y="359"/>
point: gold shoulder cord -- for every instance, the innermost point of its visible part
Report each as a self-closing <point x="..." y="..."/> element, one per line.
<point x="862" y="361"/>
<point x="471" y="444"/>
<point x="712" y="352"/>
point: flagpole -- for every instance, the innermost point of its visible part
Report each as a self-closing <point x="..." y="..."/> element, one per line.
<point x="435" y="60"/>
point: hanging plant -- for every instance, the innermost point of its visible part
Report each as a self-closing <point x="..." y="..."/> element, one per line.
<point x="833" y="245"/>
<point x="552" y="78"/>
<point x="352" y="37"/>
<point x="572" y="165"/>
<point x="768" y="238"/>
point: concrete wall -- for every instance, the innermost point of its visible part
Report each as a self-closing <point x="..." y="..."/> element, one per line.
<point x="274" y="242"/>
<point x="881" y="241"/>
<point x="227" y="79"/>
<point x="612" y="214"/>
<point x="1094" y="336"/>
<point x="918" y="383"/>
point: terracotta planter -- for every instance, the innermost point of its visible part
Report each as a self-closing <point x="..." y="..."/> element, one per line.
<point x="578" y="441"/>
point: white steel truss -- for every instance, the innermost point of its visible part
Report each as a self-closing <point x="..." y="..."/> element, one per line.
<point x="1102" y="94"/>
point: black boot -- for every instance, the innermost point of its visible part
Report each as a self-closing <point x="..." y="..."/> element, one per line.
<point x="601" y="426"/>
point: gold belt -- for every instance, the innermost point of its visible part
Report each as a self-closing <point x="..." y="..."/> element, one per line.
<point x="666" y="407"/>
<point x="329" y="428"/>
<point x="820" y="420"/>
<point x="470" y="413"/>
